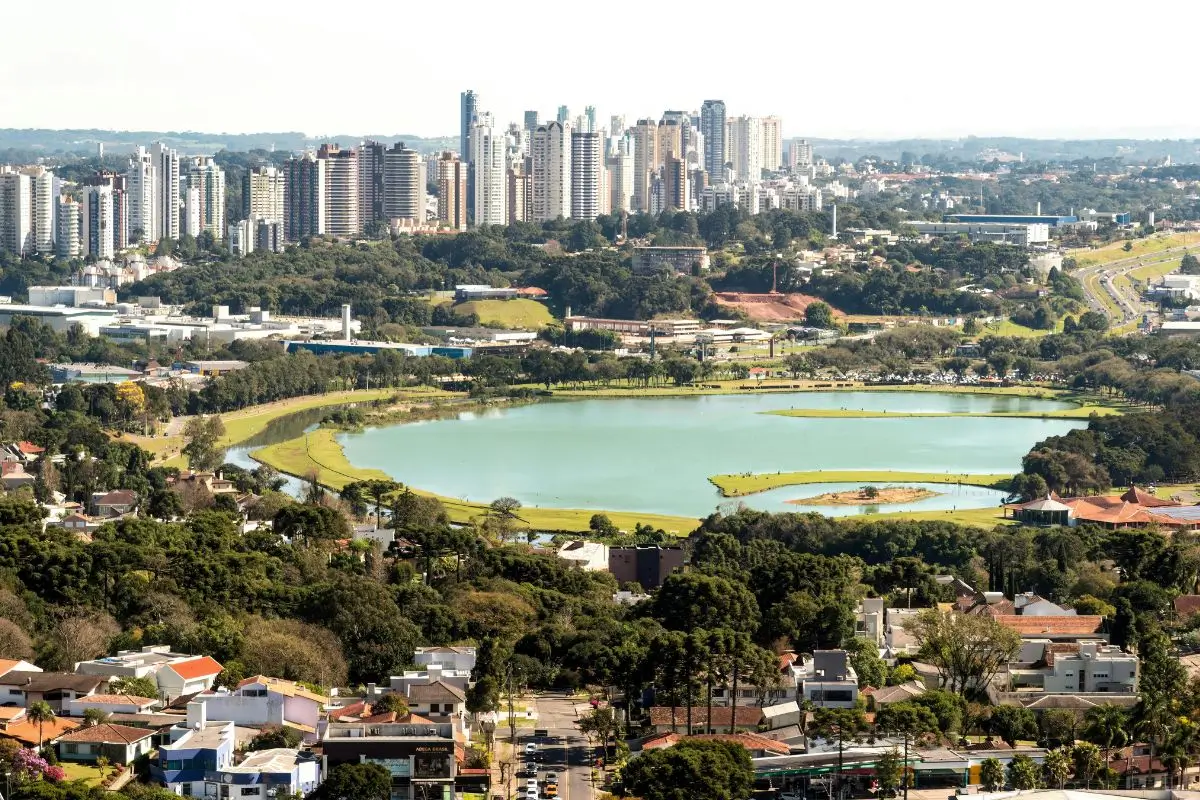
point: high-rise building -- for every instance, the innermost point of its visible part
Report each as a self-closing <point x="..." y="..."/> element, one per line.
<point x="488" y="150"/>
<point x="620" y="177"/>
<point x="531" y="121"/>
<point x="263" y="194"/>
<point x="98" y="221"/>
<point x="167" y="190"/>
<point x="772" y="143"/>
<point x="519" y="191"/>
<point x="66" y="239"/>
<point x="341" y="190"/>
<point x="304" y="211"/>
<point x="589" y="116"/>
<point x="192" y="221"/>
<point x="144" y="218"/>
<point x="564" y="115"/>
<point x="645" y="161"/>
<point x="468" y="111"/>
<point x="676" y="195"/>
<point x="403" y="184"/>
<point x="800" y="154"/>
<point x="16" y="212"/>
<point x="114" y="214"/>
<point x="670" y="139"/>
<point x="452" y="191"/>
<point x="43" y="199"/>
<point x="551" y="155"/>
<point x="712" y="128"/>
<point x="370" y="182"/>
<point x="208" y="180"/>
<point x="616" y="125"/>
<point x="745" y="147"/>
<point x="586" y="167"/>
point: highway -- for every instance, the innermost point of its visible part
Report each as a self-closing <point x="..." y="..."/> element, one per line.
<point x="1101" y="278"/>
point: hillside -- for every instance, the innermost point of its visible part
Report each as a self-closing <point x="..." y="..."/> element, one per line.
<point x="519" y="313"/>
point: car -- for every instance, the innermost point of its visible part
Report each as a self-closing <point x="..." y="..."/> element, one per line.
<point x="530" y="747"/>
<point x="532" y="783"/>
<point x="552" y="790"/>
<point x="531" y="769"/>
<point x="551" y="777"/>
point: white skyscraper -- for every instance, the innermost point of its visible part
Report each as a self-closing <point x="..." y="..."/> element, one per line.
<point x="745" y="147"/>
<point x="143" y="206"/>
<point x="208" y="179"/>
<point x="341" y="190"/>
<point x="166" y="187"/>
<point x="551" y="154"/>
<point x="191" y="222"/>
<point x="586" y="168"/>
<point x="263" y="195"/>
<point x="66" y="243"/>
<point x="772" y="143"/>
<point x="98" y="222"/>
<point x="488" y="150"/>
<point x="800" y="153"/>
<point x="16" y="212"/>
<point x="403" y="184"/>
<point x="44" y="197"/>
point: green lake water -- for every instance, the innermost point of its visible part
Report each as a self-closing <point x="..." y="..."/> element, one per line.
<point x="655" y="455"/>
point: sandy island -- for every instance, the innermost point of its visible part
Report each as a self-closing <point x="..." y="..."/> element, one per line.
<point x="863" y="496"/>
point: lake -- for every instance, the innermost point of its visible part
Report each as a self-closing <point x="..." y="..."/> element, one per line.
<point x="655" y="455"/>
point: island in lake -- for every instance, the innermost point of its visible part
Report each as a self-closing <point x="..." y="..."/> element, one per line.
<point x="867" y="495"/>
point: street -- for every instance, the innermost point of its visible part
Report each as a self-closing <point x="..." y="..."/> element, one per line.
<point x="564" y="751"/>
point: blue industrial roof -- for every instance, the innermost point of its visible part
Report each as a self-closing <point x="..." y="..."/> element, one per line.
<point x="1053" y="220"/>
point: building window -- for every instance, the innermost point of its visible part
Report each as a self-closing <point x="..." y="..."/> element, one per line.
<point x="70" y="748"/>
<point x="249" y="791"/>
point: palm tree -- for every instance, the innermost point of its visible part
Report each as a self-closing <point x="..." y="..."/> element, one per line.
<point x="1154" y="720"/>
<point x="1106" y="726"/>
<point x="41" y="713"/>
<point x="1057" y="766"/>
<point x="1178" y="749"/>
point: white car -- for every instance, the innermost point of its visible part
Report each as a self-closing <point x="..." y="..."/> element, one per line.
<point x="530" y="748"/>
<point x="531" y="784"/>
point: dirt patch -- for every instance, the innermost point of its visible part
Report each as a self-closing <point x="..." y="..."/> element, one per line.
<point x="770" y="307"/>
<point x="864" y="497"/>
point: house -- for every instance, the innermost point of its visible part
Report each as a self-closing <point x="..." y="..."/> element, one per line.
<point x="76" y="523"/>
<point x="439" y="701"/>
<point x="15" y="725"/>
<point x="869" y="620"/>
<point x="781" y="715"/>
<point x="830" y="681"/>
<point x="263" y="701"/>
<point x="120" y="744"/>
<point x="757" y="745"/>
<point x="22" y="688"/>
<point x="433" y="673"/>
<point x="1029" y="604"/>
<point x="415" y="755"/>
<point x="210" y="482"/>
<point x="1068" y="628"/>
<point x="7" y="665"/>
<point x="1086" y="668"/>
<point x="279" y="772"/>
<point x="666" y="719"/>
<point x="113" y="504"/>
<point x="177" y="678"/>
<point x="897" y="639"/>
<point x="591" y="556"/>
<point x="1134" y="508"/>
<point x="13" y="475"/>
<point x="452" y="658"/>
<point x="27" y="452"/>
<point x="647" y="566"/>
<point x="196" y="749"/>
<point x="877" y="698"/>
<point x="113" y="704"/>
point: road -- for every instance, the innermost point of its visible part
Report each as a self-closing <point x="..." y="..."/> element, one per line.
<point x="564" y="751"/>
<point x="1102" y="278"/>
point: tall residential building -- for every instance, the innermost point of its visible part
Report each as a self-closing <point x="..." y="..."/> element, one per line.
<point x="551" y="173"/>
<point x="620" y="179"/>
<point x="142" y="199"/>
<point x="167" y="190"/>
<point x="207" y="178"/>
<point x="676" y="195"/>
<point x="41" y="184"/>
<point x="304" y="212"/>
<point x="645" y="161"/>
<point x="452" y="191"/>
<point x="587" y="164"/>
<point x="800" y="153"/>
<point x="115" y="215"/>
<point x="341" y="190"/>
<point x="564" y="115"/>
<point x="66" y="240"/>
<point x="712" y="128"/>
<point x="488" y="150"/>
<point x="403" y="184"/>
<point x="772" y="143"/>
<point x="519" y="191"/>
<point x="192" y="221"/>
<point x="98" y="222"/>
<point x="370" y="182"/>
<point x="670" y="139"/>
<point x="745" y="147"/>
<point x="531" y="121"/>
<point x="16" y="212"/>
<point x="468" y="111"/>
<point x="263" y="194"/>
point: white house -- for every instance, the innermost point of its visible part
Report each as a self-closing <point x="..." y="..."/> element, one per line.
<point x="588" y="555"/>
<point x="280" y="772"/>
<point x="260" y="701"/>
<point x="179" y="678"/>
<point x="112" y="704"/>
<point x="433" y="673"/>
<point x="830" y="680"/>
<point x="152" y="662"/>
<point x="454" y="658"/>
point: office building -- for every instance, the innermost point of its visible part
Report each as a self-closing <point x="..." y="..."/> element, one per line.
<point x="167" y="190"/>
<point x="676" y="193"/>
<point x="468" y="109"/>
<point x="16" y="212"/>
<point x="419" y="757"/>
<point x="489" y="169"/>
<point x="371" y="160"/>
<point x="551" y="160"/>
<point x="97" y="222"/>
<point x="304" y="207"/>
<point x="207" y="180"/>
<point x="712" y="128"/>
<point x="564" y="115"/>
<point x="620" y="182"/>
<point x="586" y="179"/>
<point x="403" y="184"/>
<point x="645" y="161"/>
<point x="66" y="240"/>
<point x="744" y="135"/>
<point x="263" y="194"/>
<point x="452" y="191"/>
<point x="772" y="143"/>
<point x="531" y="121"/>
<point x="341" y="190"/>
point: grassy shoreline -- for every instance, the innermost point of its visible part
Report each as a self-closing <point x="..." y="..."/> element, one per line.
<point x="321" y="453"/>
<point x="779" y="386"/>
<point x="1081" y="412"/>
<point x="747" y="484"/>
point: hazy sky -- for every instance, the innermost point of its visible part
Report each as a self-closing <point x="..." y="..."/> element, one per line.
<point x="874" y="68"/>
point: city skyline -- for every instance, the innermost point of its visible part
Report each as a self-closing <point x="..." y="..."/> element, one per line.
<point x="934" y="70"/>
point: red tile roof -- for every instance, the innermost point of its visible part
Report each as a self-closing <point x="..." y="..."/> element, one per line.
<point x="106" y="733"/>
<point x="119" y="699"/>
<point x="1081" y="625"/>
<point x="747" y="716"/>
<point x="1187" y="605"/>
<point x="29" y="448"/>
<point x="751" y="741"/>
<point x="194" y="668"/>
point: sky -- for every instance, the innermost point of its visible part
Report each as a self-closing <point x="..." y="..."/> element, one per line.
<point x="857" y="69"/>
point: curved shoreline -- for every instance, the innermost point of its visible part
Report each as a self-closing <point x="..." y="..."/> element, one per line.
<point x="1079" y="412"/>
<point x="746" y="484"/>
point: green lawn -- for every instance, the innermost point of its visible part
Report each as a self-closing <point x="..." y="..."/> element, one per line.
<point x="1079" y="412"/>
<point x="1085" y="257"/>
<point x="517" y="313"/>
<point x="1007" y="327"/>
<point x="974" y="517"/>
<point x="740" y="485"/>
<point x="82" y="772"/>
<point x="323" y="455"/>
<point x="1147" y="274"/>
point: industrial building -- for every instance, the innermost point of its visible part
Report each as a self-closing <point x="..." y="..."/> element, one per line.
<point x="683" y="260"/>
<point x="1020" y="234"/>
<point x="1052" y="220"/>
<point x="355" y="347"/>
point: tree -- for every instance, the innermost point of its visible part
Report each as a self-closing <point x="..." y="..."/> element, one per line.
<point x="864" y="657"/>
<point x="392" y="702"/>
<point x="688" y="601"/>
<point x="1013" y="723"/>
<point x="1189" y="265"/>
<point x="1024" y="773"/>
<point x="135" y="687"/>
<point x="295" y="650"/>
<point x="1057" y="766"/>
<point x="202" y="435"/>
<point x="40" y="712"/>
<point x="966" y="649"/>
<point x="484" y="696"/>
<point x="601" y="525"/>
<point x="15" y="643"/>
<point x="991" y="774"/>
<point x="1106" y="726"/>
<point x="909" y="721"/>
<point x="888" y="768"/>
<point x="819" y="315"/>
<point x="365" y="781"/>
<point x="94" y="716"/>
<point x="275" y="736"/>
<point x="839" y="725"/>
<point x="692" y="770"/>
<point x="600" y="724"/>
<point x="1057" y="726"/>
<point x="1089" y="763"/>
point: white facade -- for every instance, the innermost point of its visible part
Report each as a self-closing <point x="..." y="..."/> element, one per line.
<point x="142" y="199"/>
<point x="620" y="182"/>
<point x="16" y="212"/>
<point x="551" y="153"/>
<point x="66" y="243"/>
<point x="745" y="147"/>
<point x="488" y="148"/>
<point x="341" y="191"/>
<point x="592" y="556"/>
<point x="261" y="702"/>
<point x="279" y="772"/>
<point x="97" y="222"/>
<point x="452" y="191"/>
<point x="265" y="194"/>
<point x="586" y="179"/>
<point x="166" y="188"/>
<point x="208" y="179"/>
<point x="403" y="184"/>
<point x="451" y="658"/>
<point x="772" y="143"/>
<point x="191" y="224"/>
<point x="41" y="184"/>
